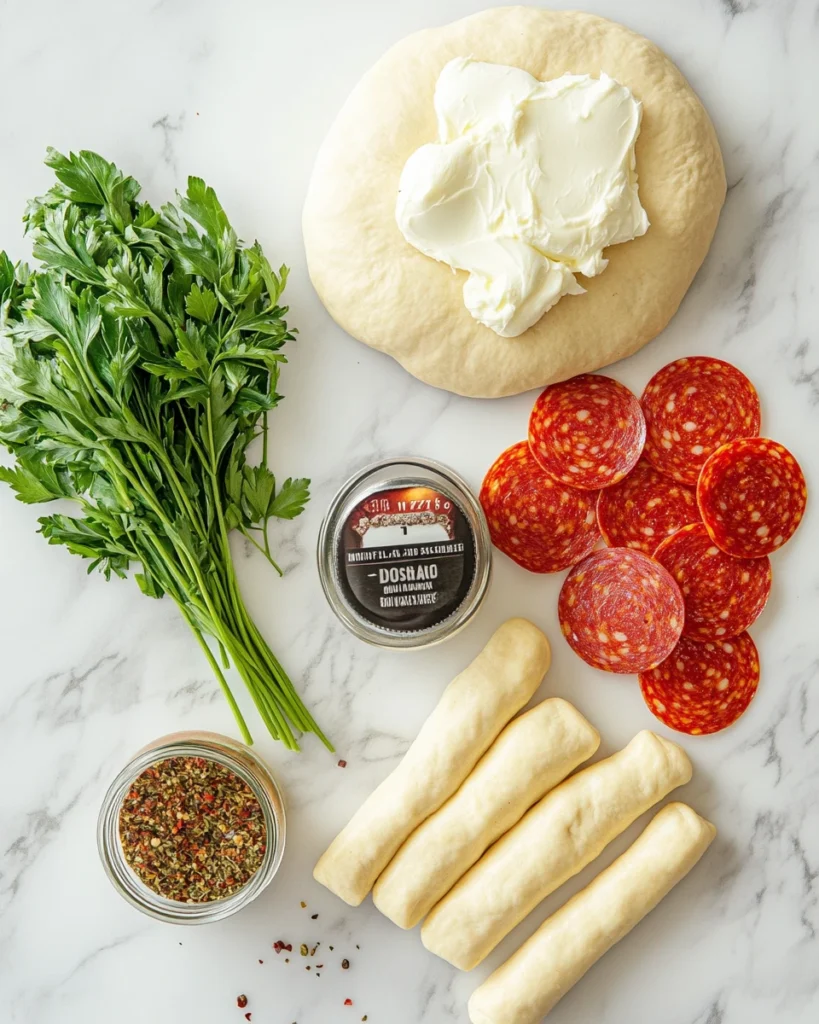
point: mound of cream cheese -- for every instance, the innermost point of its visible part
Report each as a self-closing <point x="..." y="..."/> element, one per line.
<point x="528" y="183"/>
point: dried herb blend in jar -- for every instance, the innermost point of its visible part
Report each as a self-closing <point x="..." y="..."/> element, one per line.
<point x="192" y="830"/>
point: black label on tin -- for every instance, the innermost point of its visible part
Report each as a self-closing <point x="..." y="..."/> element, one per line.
<point x="406" y="559"/>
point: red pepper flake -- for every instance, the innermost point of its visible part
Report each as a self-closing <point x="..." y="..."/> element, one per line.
<point x="241" y="1002"/>
<point x="319" y="966"/>
<point x="247" y="1016"/>
<point x="342" y="764"/>
<point x="261" y="961"/>
<point x="348" y="1002"/>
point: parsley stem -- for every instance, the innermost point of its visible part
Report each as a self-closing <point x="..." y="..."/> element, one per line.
<point x="264" y="550"/>
<point x="234" y="707"/>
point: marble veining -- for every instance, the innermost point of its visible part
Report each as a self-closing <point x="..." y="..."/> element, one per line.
<point x="242" y="94"/>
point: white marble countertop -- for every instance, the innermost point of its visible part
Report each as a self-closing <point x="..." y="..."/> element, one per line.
<point x="242" y="93"/>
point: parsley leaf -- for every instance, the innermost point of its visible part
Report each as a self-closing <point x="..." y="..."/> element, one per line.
<point x="290" y="500"/>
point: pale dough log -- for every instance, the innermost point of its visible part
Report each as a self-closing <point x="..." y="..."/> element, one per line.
<point x="472" y="710"/>
<point x="558" y="837"/>
<point x="567" y="944"/>
<point x="531" y="756"/>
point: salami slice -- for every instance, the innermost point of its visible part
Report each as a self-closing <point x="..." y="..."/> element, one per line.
<point x="644" y="508"/>
<point x="621" y="611"/>
<point x="723" y="595"/>
<point x="752" y="496"/>
<point x="703" y="688"/>
<point x="542" y="525"/>
<point x="692" y="407"/>
<point x="587" y="431"/>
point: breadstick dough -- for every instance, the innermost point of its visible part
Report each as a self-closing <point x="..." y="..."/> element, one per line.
<point x="389" y="295"/>
<point x="532" y="755"/>
<point x="558" y="837"/>
<point x="567" y="944"/>
<point x="472" y="710"/>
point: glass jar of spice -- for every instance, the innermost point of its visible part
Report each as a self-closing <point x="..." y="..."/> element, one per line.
<point x="192" y="829"/>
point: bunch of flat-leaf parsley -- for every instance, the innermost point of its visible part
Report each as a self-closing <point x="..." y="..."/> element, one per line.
<point x="137" y="363"/>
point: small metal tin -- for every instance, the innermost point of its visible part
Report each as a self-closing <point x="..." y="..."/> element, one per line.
<point x="404" y="553"/>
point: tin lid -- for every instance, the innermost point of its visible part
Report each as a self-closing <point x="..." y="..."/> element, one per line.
<point x="404" y="553"/>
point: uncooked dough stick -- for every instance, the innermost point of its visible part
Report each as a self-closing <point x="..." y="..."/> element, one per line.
<point x="473" y="709"/>
<point x="567" y="944"/>
<point x="558" y="837"/>
<point x="532" y="755"/>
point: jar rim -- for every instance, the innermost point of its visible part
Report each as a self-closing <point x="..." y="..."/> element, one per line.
<point x="245" y="764"/>
<point x="368" y="480"/>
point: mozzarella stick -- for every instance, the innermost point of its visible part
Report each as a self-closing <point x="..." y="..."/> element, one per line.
<point x="531" y="756"/>
<point x="558" y="837"/>
<point x="472" y="710"/>
<point x="567" y="944"/>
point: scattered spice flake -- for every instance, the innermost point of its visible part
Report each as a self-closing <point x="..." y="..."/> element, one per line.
<point x="331" y="949"/>
<point x="307" y="968"/>
<point x="261" y="961"/>
<point x="313" y="917"/>
<point x="364" y="1017"/>
<point x="303" y="949"/>
<point x="191" y="830"/>
<point x="313" y="950"/>
<point x="241" y="1001"/>
<point x="287" y="959"/>
<point x="247" y="1016"/>
<point x="302" y="904"/>
<point x="319" y="966"/>
<point x="358" y="947"/>
<point x="348" y="1002"/>
<point x="345" y="964"/>
<point x="342" y="764"/>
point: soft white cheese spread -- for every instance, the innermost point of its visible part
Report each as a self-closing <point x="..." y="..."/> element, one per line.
<point x="528" y="183"/>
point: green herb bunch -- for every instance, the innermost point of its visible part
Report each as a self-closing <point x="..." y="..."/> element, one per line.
<point x="136" y="366"/>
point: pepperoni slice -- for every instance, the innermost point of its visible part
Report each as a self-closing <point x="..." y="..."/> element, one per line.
<point x="692" y="407"/>
<point x="587" y="431"/>
<point x="621" y="611"/>
<point x="703" y="688"/>
<point x="752" y="496"/>
<point x="644" y="508"/>
<point x="723" y="595"/>
<point x="542" y="525"/>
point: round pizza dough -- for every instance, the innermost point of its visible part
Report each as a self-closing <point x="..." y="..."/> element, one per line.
<point x="387" y="294"/>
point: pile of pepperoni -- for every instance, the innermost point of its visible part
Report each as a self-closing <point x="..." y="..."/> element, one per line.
<point x="690" y="502"/>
